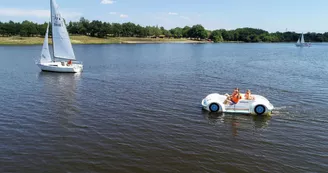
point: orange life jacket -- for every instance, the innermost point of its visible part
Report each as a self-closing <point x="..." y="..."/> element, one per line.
<point x="236" y="98"/>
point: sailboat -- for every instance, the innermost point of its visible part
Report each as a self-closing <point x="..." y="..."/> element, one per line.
<point x="301" y="43"/>
<point x="63" y="59"/>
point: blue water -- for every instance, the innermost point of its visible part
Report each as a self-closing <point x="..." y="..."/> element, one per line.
<point x="136" y="108"/>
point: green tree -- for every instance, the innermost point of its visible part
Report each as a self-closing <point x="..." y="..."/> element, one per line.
<point x="128" y="29"/>
<point x="116" y="29"/>
<point x="28" y="29"/>
<point x="10" y="28"/>
<point x="94" y="28"/>
<point x="198" y="31"/>
<point x="157" y="31"/>
<point x="185" y="31"/>
<point x="216" y="36"/>
<point x="140" y="31"/>
<point x="2" y="31"/>
<point x="73" y="28"/>
<point x="84" y="28"/>
<point x="227" y="35"/>
<point x="42" y="28"/>
<point x="177" y="32"/>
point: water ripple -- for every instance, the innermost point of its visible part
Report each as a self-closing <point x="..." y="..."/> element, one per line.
<point x="136" y="108"/>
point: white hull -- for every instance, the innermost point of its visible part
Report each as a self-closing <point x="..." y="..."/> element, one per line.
<point x="302" y="45"/>
<point x="60" y="67"/>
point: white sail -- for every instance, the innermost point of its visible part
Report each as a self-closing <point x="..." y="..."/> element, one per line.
<point x="298" y="41"/>
<point x="61" y="43"/>
<point x="302" y="39"/>
<point x="45" y="54"/>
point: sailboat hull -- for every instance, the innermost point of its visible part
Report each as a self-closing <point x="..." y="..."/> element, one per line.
<point x="60" y="67"/>
<point x="302" y="45"/>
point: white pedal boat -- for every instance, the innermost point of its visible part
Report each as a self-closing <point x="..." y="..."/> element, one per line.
<point x="259" y="106"/>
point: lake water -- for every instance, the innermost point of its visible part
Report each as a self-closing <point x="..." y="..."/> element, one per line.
<point x="136" y="108"/>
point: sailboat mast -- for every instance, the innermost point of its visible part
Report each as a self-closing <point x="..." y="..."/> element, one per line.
<point x="52" y="32"/>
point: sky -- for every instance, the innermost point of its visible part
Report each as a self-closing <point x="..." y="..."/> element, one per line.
<point x="270" y="15"/>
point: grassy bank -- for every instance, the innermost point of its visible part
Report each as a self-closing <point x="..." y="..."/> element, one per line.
<point x="16" y="40"/>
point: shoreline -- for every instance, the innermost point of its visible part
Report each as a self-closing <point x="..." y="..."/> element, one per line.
<point x="159" y="41"/>
<point x="17" y="40"/>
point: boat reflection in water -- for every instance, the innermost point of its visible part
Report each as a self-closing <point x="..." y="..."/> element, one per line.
<point x="237" y="121"/>
<point x="59" y="92"/>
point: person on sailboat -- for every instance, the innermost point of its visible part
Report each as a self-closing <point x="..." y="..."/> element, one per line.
<point x="69" y="63"/>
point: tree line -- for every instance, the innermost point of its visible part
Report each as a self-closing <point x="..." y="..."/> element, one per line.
<point x="101" y="29"/>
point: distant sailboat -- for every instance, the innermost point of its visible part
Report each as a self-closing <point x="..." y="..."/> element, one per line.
<point x="301" y="43"/>
<point x="61" y="46"/>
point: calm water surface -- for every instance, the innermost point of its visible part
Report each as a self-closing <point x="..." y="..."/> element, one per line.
<point x="136" y="108"/>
